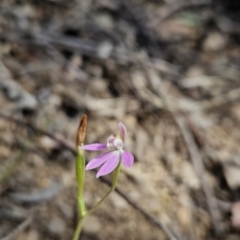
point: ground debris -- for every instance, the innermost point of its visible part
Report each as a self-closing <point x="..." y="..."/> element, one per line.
<point x="145" y="64"/>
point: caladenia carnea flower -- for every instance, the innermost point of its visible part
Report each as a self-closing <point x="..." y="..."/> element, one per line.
<point x="113" y="153"/>
<point x="109" y="161"/>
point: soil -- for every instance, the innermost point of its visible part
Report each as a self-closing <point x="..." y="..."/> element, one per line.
<point x="169" y="70"/>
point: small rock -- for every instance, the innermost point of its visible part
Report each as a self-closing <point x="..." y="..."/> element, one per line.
<point x="92" y="225"/>
<point x="25" y="11"/>
<point x="47" y="143"/>
<point x="184" y="199"/>
<point x="195" y="71"/>
<point x="211" y="180"/>
<point x="199" y="81"/>
<point x="214" y="42"/>
<point x="232" y="175"/>
<point x="27" y="101"/>
<point x="56" y="226"/>
<point x="185" y="217"/>
<point x="105" y="21"/>
<point x="99" y="86"/>
<point x="189" y="176"/>
<point x="32" y="235"/>
<point x="173" y="30"/>
<point x="105" y="49"/>
<point x="29" y="235"/>
<point x="54" y="101"/>
<point x="138" y="79"/>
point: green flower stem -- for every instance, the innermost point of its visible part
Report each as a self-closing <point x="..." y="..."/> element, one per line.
<point x="80" y="174"/>
<point x="114" y="183"/>
<point x="78" y="229"/>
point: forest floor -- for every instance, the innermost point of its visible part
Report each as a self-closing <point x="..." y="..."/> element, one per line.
<point x="169" y="70"/>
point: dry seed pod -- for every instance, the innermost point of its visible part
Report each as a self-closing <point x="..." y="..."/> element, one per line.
<point x="81" y="131"/>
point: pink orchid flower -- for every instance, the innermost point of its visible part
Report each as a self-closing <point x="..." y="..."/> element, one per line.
<point x="110" y="159"/>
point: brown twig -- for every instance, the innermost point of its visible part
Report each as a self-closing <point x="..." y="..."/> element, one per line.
<point x="71" y="148"/>
<point x="197" y="161"/>
<point x="222" y="99"/>
<point x="39" y="196"/>
<point x="19" y="229"/>
<point x="193" y="150"/>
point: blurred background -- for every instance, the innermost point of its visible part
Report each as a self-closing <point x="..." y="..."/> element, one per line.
<point x="168" y="69"/>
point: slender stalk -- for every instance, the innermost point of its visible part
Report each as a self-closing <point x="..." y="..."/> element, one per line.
<point x="114" y="183"/>
<point x="78" y="229"/>
<point x="80" y="174"/>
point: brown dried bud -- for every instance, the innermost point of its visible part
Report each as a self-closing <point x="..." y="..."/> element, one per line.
<point x="81" y="131"/>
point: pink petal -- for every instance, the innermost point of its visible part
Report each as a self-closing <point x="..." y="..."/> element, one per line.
<point x="127" y="159"/>
<point x="99" y="160"/>
<point x="94" y="146"/>
<point x="122" y="130"/>
<point x="110" y="164"/>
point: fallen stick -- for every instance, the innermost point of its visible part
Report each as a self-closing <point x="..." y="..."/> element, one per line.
<point x="19" y="229"/>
